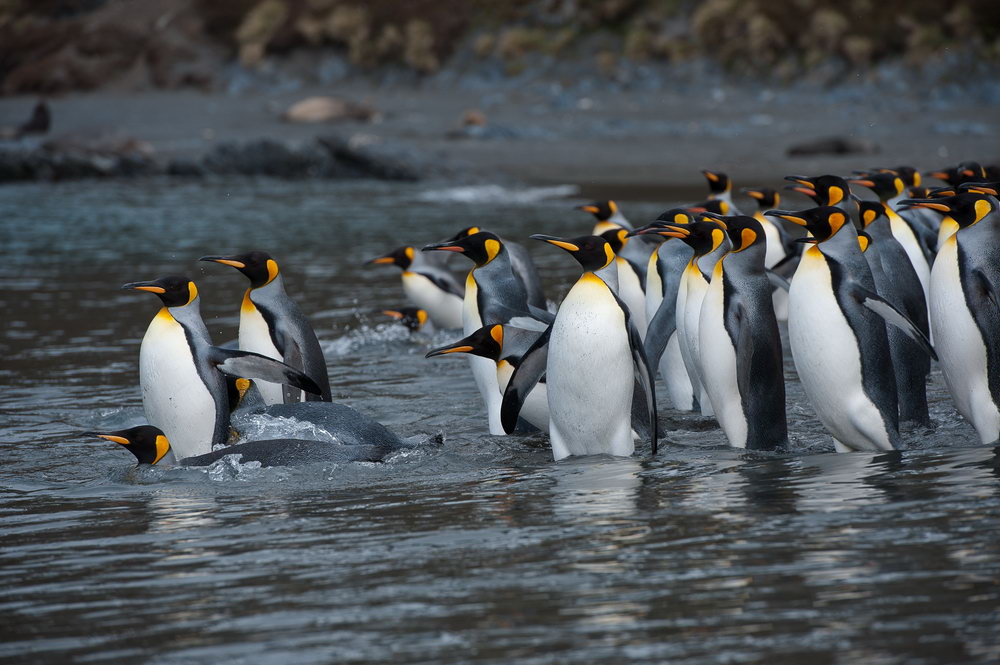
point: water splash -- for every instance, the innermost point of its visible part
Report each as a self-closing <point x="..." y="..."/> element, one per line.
<point x="497" y="194"/>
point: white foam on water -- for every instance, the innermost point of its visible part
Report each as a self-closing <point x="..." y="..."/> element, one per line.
<point x="497" y="194"/>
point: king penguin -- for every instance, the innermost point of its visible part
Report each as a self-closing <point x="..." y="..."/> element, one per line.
<point x="779" y="246"/>
<point x="836" y="329"/>
<point x="740" y="346"/>
<point x="720" y="187"/>
<point x="505" y="345"/>
<point x="427" y="286"/>
<point x="413" y="319"/>
<point x="272" y="325"/>
<point x="184" y="392"/>
<point x="965" y="307"/>
<point x="520" y="262"/>
<point x="609" y="216"/>
<point x="630" y="287"/>
<point x="492" y="295"/>
<point x="593" y="360"/>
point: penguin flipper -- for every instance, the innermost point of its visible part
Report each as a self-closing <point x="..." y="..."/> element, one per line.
<point x="879" y="305"/>
<point x="442" y="282"/>
<point x="293" y="358"/>
<point x="248" y="365"/>
<point x="658" y="332"/>
<point x="528" y="373"/>
<point x="643" y="376"/>
<point x="777" y="280"/>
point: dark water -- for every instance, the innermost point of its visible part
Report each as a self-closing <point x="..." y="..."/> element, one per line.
<point x="477" y="550"/>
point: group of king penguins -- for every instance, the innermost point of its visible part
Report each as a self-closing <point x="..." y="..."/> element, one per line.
<point x="872" y="291"/>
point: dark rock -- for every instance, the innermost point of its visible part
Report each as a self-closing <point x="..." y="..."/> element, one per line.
<point x="833" y="145"/>
<point x="185" y="167"/>
<point x="271" y="158"/>
<point x="367" y="156"/>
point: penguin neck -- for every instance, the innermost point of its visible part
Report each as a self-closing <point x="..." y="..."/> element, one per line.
<point x="706" y="262"/>
<point x="609" y="275"/>
<point x="749" y="261"/>
<point x="889" y="212"/>
<point x="270" y="292"/>
<point x="879" y="228"/>
<point x="168" y="460"/>
<point x="843" y="246"/>
<point x="619" y="219"/>
<point x="189" y="316"/>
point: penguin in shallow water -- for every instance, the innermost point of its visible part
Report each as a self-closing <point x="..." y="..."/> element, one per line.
<point x="427" y="286"/>
<point x="630" y="286"/>
<point x="184" y="392"/>
<point x="779" y="245"/>
<point x="150" y="446"/>
<point x="505" y="345"/>
<point x="272" y="325"/>
<point x="609" y="217"/>
<point x="965" y="307"/>
<point x="492" y="295"/>
<point x="836" y="330"/>
<point x="413" y="319"/>
<point x="740" y="346"/>
<point x="593" y="359"/>
<point x="520" y="262"/>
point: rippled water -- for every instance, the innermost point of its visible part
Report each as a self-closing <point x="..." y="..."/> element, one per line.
<point x="477" y="550"/>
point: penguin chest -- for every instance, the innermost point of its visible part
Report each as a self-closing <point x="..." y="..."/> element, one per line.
<point x="902" y="232"/>
<point x="443" y="308"/>
<point x="590" y="374"/>
<point x="718" y="364"/>
<point x="958" y="340"/>
<point x="654" y="287"/>
<point x="631" y="293"/>
<point x="471" y="319"/>
<point x="774" y="251"/>
<point x="255" y="336"/>
<point x="174" y="396"/>
<point x="536" y="406"/>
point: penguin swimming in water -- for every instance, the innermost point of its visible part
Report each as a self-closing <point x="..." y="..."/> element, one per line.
<point x="520" y="262"/>
<point x="836" y="329"/>
<point x="427" y="286"/>
<point x="413" y="319"/>
<point x="630" y="286"/>
<point x="896" y="281"/>
<point x="505" y="345"/>
<point x="272" y="325"/>
<point x="965" y="307"/>
<point x="184" y="392"/>
<point x="740" y="346"/>
<point x="593" y="358"/>
<point x="492" y="295"/>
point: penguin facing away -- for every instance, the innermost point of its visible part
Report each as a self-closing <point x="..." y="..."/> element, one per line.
<point x="184" y="392"/>
<point x="741" y="361"/>
<point x="427" y="286"/>
<point x="593" y="358"/>
<point x="965" y="307"/>
<point x="836" y="328"/>
<point x="272" y="325"/>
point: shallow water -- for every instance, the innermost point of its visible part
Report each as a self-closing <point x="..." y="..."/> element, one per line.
<point x="476" y="550"/>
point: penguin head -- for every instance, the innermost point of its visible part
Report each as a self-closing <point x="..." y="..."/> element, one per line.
<point x="990" y="188"/>
<point x="146" y="442"/>
<point x="487" y="342"/>
<point x="481" y="247"/>
<point x="869" y="211"/>
<point x="173" y="290"/>
<point x="401" y="256"/>
<point x="718" y="206"/>
<point x="718" y="182"/>
<point x="670" y="217"/>
<point x="966" y="208"/>
<point x="703" y="235"/>
<point x="601" y="210"/>
<point x="413" y="318"/>
<point x="910" y="176"/>
<point x="467" y="231"/>
<point x="918" y="192"/>
<point x="886" y="184"/>
<point x="826" y="190"/>
<point x="258" y="267"/>
<point x="236" y="390"/>
<point x="822" y="222"/>
<point x="744" y="232"/>
<point x="592" y="252"/>
<point x="616" y="238"/>
<point x="766" y="197"/>
<point x="964" y="172"/>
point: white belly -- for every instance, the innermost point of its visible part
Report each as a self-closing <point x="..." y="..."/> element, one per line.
<point x="774" y="251"/>
<point x="443" y="308"/>
<point x="827" y="360"/>
<point x="654" y="288"/>
<point x="174" y="396"/>
<point x="589" y="374"/>
<point x="675" y="376"/>
<point x="694" y="287"/>
<point x="484" y="370"/>
<point x="718" y="366"/>
<point x="256" y="337"/>
<point x="536" y="405"/>
<point x="631" y="293"/>
<point x="904" y="234"/>
<point x="960" y="347"/>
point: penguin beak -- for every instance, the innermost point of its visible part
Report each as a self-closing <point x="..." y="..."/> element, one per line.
<point x="458" y="347"/>
<point x="392" y="313"/>
<point x="864" y="182"/>
<point x="558" y="242"/>
<point x="151" y="286"/>
<point x="588" y="208"/>
<point x="940" y="175"/>
<point x="225" y="260"/>
<point x="444" y="247"/>
<point x="712" y="217"/>
<point x="672" y="231"/>
<point x="811" y="193"/>
<point x="788" y="216"/>
<point x="802" y="180"/>
<point x="380" y="260"/>
<point x="753" y="193"/>
<point x="108" y="437"/>
<point x="926" y="203"/>
<point x="711" y="176"/>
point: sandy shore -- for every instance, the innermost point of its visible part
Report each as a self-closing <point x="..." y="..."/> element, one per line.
<point x="635" y="145"/>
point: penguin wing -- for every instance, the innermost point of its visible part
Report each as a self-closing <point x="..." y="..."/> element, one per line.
<point x="527" y="374"/>
<point x="292" y="355"/>
<point x="248" y="365"/>
<point x="876" y="303"/>
<point x="658" y="332"/>
<point x="443" y="282"/>
<point x="777" y="281"/>
<point x="643" y="376"/>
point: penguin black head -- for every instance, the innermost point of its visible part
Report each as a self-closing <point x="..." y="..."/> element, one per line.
<point x="601" y="210"/>
<point x="592" y="252"/>
<point x="718" y="182"/>
<point x="668" y="217"/>
<point x="481" y="247"/>
<point x="236" y="390"/>
<point x="146" y="442"/>
<point x="886" y="184"/>
<point x="766" y="197"/>
<point x="918" y="192"/>
<point x="966" y="209"/>
<point x="616" y="238"/>
<point x="703" y="235"/>
<point x="258" y="267"/>
<point x="718" y="206"/>
<point x="990" y="188"/>
<point x="910" y="176"/>
<point x="964" y="172"/>
<point x="413" y="318"/>
<point x="486" y="342"/>
<point x="464" y="233"/>
<point x="822" y="222"/>
<point x="401" y="256"/>
<point x="864" y="241"/>
<point x="743" y="231"/>
<point x="173" y="290"/>
<point x="826" y="190"/>
<point x="869" y="211"/>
